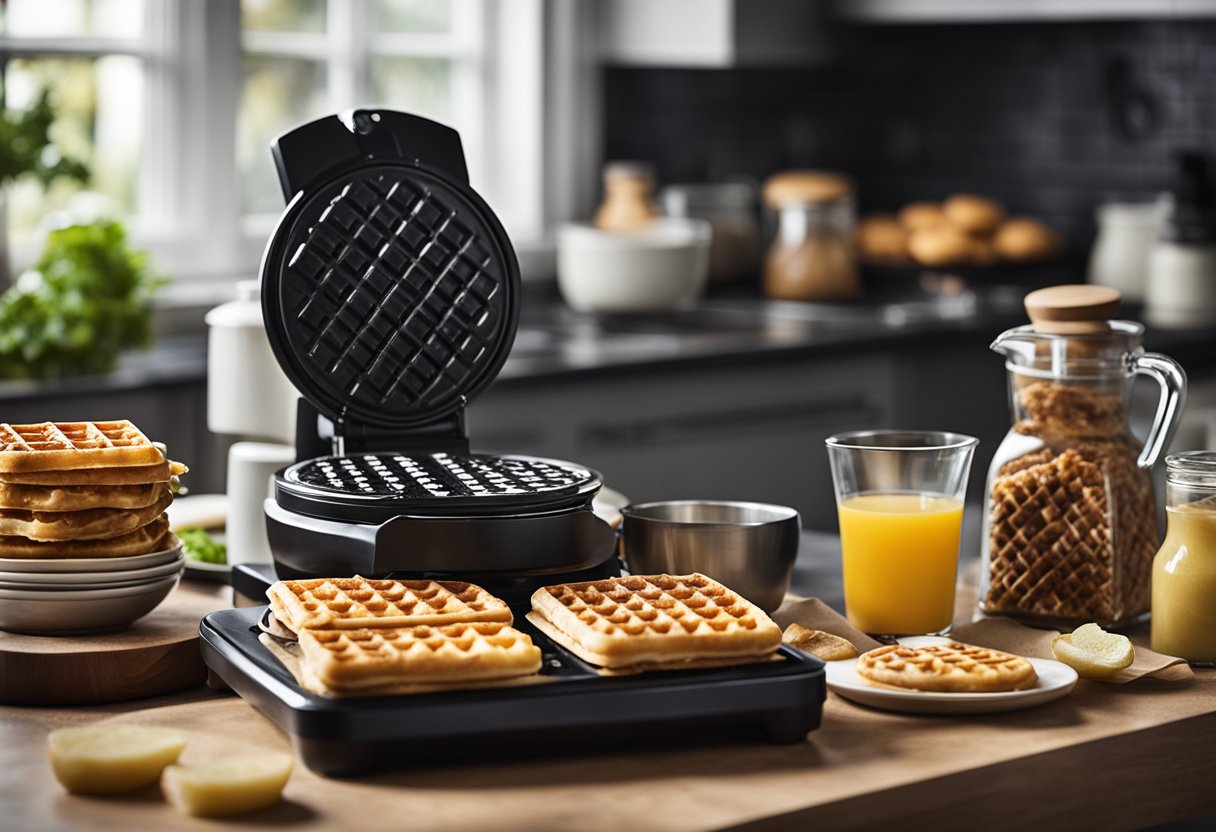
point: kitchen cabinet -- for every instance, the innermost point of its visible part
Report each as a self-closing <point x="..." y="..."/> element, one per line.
<point x="1012" y="11"/>
<point x="752" y="432"/>
<point x="711" y="33"/>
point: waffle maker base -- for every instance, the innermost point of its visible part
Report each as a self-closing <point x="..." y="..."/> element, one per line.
<point x="779" y="701"/>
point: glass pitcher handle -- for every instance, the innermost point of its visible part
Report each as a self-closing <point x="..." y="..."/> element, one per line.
<point x="1172" y="379"/>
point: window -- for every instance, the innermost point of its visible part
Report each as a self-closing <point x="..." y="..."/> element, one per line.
<point x="305" y="59"/>
<point x="91" y="55"/>
<point x="173" y="104"/>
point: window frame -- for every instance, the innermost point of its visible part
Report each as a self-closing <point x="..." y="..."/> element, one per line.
<point x="530" y="64"/>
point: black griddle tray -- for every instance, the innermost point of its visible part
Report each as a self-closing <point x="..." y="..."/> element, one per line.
<point x="780" y="701"/>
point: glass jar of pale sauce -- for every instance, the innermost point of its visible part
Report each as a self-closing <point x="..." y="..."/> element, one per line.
<point x="1184" y="570"/>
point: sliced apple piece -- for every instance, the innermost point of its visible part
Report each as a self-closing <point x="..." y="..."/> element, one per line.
<point x="228" y="787"/>
<point x="1093" y="652"/>
<point x="109" y="759"/>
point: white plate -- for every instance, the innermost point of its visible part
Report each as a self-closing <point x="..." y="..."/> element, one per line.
<point x="1055" y="680"/>
<point x="83" y="596"/>
<point x="199" y="570"/>
<point x="203" y="511"/>
<point x="52" y="616"/>
<point x="90" y="579"/>
<point x="47" y="565"/>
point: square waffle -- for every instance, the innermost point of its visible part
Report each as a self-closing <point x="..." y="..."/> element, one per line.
<point x="154" y="537"/>
<point x="661" y="620"/>
<point x="81" y="524"/>
<point x="57" y="446"/>
<point x="370" y="661"/>
<point x="357" y="603"/>
<point x="160" y="472"/>
<point x="80" y="497"/>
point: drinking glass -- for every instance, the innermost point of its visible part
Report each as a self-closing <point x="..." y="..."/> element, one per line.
<point x="899" y="496"/>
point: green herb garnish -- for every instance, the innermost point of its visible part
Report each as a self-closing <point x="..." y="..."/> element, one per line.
<point x="198" y="545"/>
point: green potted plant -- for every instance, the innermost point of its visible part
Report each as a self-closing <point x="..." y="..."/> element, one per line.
<point x="86" y="300"/>
<point x="26" y="150"/>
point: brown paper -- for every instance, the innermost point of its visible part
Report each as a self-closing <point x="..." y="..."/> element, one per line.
<point x="1014" y="637"/>
<point x="998" y="633"/>
<point x="816" y="615"/>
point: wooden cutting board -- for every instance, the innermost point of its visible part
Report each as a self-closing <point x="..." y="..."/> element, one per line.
<point x="157" y="654"/>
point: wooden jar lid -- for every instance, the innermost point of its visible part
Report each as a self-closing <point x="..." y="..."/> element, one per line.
<point x="805" y="186"/>
<point x="1072" y="309"/>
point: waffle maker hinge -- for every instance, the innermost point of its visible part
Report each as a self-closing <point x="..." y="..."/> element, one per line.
<point x="318" y="436"/>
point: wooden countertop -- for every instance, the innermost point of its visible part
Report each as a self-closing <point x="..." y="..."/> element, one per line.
<point x="1108" y="756"/>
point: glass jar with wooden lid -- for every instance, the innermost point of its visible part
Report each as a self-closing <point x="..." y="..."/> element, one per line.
<point x="811" y="257"/>
<point x="1071" y="526"/>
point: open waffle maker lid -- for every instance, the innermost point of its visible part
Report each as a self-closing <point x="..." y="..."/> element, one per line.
<point x="390" y="294"/>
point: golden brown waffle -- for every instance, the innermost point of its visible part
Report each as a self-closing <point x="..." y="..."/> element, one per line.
<point x="659" y="619"/>
<point x="86" y="524"/>
<point x="952" y="667"/>
<point x="161" y="472"/>
<point x="80" y="497"/>
<point x="348" y="661"/>
<point x="154" y="537"/>
<point x="1055" y="553"/>
<point x="57" y="446"/>
<point x="355" y="603"/>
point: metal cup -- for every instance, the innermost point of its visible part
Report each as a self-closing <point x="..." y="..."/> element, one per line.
<point x="749" y="547"/>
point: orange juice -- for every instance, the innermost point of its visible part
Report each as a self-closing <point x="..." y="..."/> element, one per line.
<point x="900" y="556"/>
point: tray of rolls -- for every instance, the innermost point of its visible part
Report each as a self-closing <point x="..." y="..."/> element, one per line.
<point x="967" y="234"/>
<point x="351" y="668"/>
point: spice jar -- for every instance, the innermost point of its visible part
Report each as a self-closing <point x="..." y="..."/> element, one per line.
<point x="734" y="249"/>
<point x="628" y="197"/>
<point x="1184" y="571"/>
<point x="1071" y="527"/>
<point x="811" y="257"/>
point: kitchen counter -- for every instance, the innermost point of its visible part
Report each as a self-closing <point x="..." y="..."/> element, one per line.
<point x="553" y="341"/>
<point x="1107" y="756"/>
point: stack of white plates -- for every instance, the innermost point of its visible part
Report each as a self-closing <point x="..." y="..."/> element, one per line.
<point x="81" y="595"/>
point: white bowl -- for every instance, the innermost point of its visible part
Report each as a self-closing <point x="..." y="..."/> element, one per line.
<point x="659" y="268"/>
<point x="48" y="565"/>
<point x="85" y="611"/>
<point x="91" y="580"/>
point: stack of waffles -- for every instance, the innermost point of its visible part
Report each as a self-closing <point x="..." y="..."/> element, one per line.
<point x="361" y="637"/>
<point x="83" y="490"/>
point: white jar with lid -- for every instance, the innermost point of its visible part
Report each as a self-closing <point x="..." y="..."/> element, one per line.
<point x="247" y="393"/>
<point x="1181" y="290"/>
<point x="1127" y="232"/>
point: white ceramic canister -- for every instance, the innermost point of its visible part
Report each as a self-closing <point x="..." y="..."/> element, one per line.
<point x="1127" y="232"/>
<point x="250" y="468"/>
<point x="247" y="393"/>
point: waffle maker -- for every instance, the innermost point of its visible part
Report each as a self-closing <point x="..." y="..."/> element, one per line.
<point x="390" y="294"/>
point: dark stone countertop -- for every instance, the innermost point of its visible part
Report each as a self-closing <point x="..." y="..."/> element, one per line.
<point x="554" y="342"/>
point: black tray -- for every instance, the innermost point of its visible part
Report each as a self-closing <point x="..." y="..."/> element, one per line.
<point x="780" y="701"/>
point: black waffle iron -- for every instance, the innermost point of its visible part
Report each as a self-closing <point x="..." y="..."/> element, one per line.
<point x="390" y="293"/>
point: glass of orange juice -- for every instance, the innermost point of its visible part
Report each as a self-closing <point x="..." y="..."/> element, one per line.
<point x="899" y="496"/>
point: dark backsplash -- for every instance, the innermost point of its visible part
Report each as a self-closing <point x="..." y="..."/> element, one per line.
<point x="1050" y="118"/>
